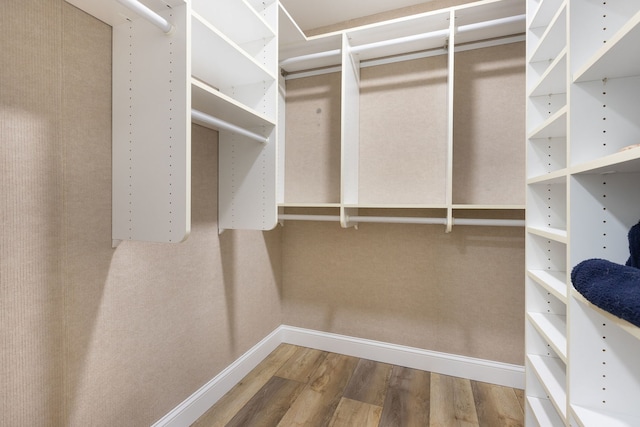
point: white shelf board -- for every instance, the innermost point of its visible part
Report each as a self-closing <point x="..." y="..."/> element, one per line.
<point x="113" y="13"/>
<point x="626" y="161"/>
<point x="588" y="417"/>
<point x="487" y="207"/>
<point x="554" y="127"/>
<point x="308" y="205"/>
<point x="554" y="79"/>
<point x="553" y="40"/>
<point x="554" y="234"/>
<point x="553" y="327"/>
<point x="395" y="206"/>
<point x="486" y="12"/>
<point x="621" y="323"/>
<point x="551" y="373"/>
<point x="552" y="281"/>
<point x="547" y="9"/>
<point x="215" y="103"/>
<point x="312" y="53"/>
<point x="210" y="47"/>
<point x="555" y="177"/>
<point x="544" y="412"/>
<point x="245" y="27"/>
<point x="613" y="59"/>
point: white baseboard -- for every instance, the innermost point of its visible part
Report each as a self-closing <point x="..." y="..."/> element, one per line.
<point x="443" y="363"/>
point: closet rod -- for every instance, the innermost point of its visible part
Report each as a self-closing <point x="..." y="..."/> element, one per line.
<point x="148" y="14"/>
<point x="492" y="23"/>
<point x="221" y="124"/>
<point x="407" y="220"/>
<point x="295" y="217"/>
<point x="400" y="40"/>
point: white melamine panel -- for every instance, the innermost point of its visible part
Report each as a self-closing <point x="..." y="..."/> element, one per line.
<point x="491" y="19"/>
<point x="543" y="413"/>
<point x="546" y="254"/>
<point x="547" y="204"/>
<point x="114" y="13"/>
<point x="613" y="204"/>
<point x="548" y="44"/>
<point x="555" y="125"/>
<point x="151" y="131"/>
<point x="247" y="183"/>
<point x="612" y="60"/>
<point x="553" y="79"/>
<point x="543" y="111"/>
<point x="597" y="24"/>
<point x="545" y="156"/>
<point x="553" y="281"/>
<point x="541" y="12"/>
<point x="350" y="119"/>
<point x="236" y="19"/>
<point x="605" y="117"/>
<point x="551" y="372"/>
<point x="605" y="374"/>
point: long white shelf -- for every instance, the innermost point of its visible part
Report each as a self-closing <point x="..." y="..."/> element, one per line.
<point x="551" y="373"/>
<point x="621" y="323"/>
<point x="626" y="161"/>
<point x="555" y="177"/>
<point x="553" y="327"/>
<point x="552" y="281"/>
<point x="612" y="60"/>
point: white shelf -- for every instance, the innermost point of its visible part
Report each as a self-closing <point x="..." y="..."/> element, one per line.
<point x="215" y="103"/>
<point x="613" y="59"/>
<point x="627" y="161"/>
<point x="553" y="281"/>
<point x="554" y="126"/>
<point x="591" y="417"/>
<point x="544" y="412"/>
<point x="555" y="177"/>
<point x="210" y="46"/>
<point x="554" y="79"/>
<point x="630" y="328"/>
<point x="554" y="39"/>
<point x="553" y="327"/>
<point x="554" y="234"/>
<point x="545" y="12"/>
<point x="551" y="372"/>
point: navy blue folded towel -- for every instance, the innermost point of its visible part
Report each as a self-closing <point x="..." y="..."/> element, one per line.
<point x="610" y="286"/>
<point x="634" y="246"/>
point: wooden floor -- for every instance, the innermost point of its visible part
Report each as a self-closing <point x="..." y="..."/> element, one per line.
<point x="298" y="386"/>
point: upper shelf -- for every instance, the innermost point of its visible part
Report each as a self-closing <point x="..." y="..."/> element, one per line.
<point x="612" y="60"/>
<point x="113" y="13"/>
<point x="545" y="12"/>
<point x="477" y="21"/>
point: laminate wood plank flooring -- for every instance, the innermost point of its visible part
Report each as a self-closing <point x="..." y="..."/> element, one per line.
<point x="298" y="386"/>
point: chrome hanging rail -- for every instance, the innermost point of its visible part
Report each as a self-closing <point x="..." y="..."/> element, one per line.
<point x="199" y="116"/>
<point x="148" y="14"/>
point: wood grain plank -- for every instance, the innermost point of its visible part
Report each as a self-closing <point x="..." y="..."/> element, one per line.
<point x="351" y="413"/>
<point x="408" y="398"/>
<point x="320" y="398"/>
<point x="229" y="405"/>
<point x="452" y="403"/>
<point x="496" y="405"/>
<point x="301" y="366"/>
<point x="521" y="398"/>
<point x="369" y="382"/>
<point x="269" y="404"/>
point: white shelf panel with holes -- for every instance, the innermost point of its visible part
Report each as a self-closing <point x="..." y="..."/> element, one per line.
<point x="596" y="176"/>
<point x="176" y="62"/>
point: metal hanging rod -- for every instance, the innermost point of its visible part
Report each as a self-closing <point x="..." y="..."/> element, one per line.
<point x="199" y="116"/>
<point x="492" y="23"/>
<point x="406" y="220"/>
<point x="148" y="14"/>
<point x="400" y="40"/>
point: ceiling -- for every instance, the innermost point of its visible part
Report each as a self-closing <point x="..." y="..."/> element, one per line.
<point x="310" y="14"/>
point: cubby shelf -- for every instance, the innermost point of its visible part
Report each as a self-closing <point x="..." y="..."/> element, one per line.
<point x="582" y="173"/>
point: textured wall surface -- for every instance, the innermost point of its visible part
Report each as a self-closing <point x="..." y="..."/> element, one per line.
<point x="92" y="335"/>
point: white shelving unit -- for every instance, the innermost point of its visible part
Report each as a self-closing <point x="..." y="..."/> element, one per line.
<point x="582" y="199"/>
<point x="218" y="72"/>
<point x="352" y="55"/>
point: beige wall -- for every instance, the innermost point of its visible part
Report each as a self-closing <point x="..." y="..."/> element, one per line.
<point x="92" y="335"/>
